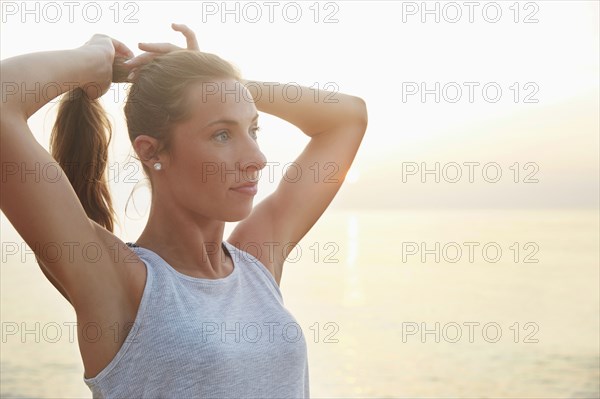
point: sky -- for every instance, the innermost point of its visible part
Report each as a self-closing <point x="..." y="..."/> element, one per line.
<point x="487" y="105"/>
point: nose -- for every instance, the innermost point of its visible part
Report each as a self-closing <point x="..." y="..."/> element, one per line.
<point x="253" y="163"/>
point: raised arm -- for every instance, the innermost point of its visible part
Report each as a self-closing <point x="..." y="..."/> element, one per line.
<point x="43" y="207"/>
<point x="336" y="124"/>
<point x="32" y="80"/>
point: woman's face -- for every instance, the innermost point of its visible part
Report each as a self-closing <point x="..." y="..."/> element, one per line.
<point x="214" y="151"/>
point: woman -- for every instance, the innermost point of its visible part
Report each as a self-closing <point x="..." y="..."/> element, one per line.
<point x="180" y="313"/>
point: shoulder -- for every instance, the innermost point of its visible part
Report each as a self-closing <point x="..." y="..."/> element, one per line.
<point x="263" y="251"/>
<point x="255" y="269"/>
<point x="133" y="274"/>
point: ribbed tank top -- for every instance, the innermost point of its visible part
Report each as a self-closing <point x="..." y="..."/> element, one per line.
<point x="208" y="338"/>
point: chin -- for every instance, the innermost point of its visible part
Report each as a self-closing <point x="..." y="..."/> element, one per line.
<point x="239" y="215"/>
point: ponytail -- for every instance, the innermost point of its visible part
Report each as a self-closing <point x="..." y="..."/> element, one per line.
<point x="79" y="143"/>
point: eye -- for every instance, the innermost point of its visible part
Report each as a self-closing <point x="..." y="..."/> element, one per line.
<point x="221" y="134"/>
<point x="254" y="131"/>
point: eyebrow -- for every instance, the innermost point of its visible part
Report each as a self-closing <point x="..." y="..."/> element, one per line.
<point x="227" y="121"/>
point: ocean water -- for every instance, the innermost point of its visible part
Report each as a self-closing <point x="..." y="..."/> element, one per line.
<point x="415" y="303"/>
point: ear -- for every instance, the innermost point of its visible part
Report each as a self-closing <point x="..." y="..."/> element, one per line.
<point x="146" y="149"/>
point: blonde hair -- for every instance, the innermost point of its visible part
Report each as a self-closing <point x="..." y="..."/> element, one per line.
<point x="156" y="102"/>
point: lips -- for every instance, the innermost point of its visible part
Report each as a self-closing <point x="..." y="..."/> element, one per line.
<point x="249" y="184"/>
<point x="246" y="188"/>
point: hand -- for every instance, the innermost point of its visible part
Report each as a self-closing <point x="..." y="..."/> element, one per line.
<point x="155" y="49"/>
<point x="106" y="53"/>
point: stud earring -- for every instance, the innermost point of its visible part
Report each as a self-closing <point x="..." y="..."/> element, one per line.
<point x="157" y="166"/>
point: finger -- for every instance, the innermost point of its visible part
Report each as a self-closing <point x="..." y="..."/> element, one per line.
<point x="120" y="70"/>
<point x="190" y="36"/>
<point x="121" y="49"/>
<point x="141" y="59"/>
<point x="158" y="47"/>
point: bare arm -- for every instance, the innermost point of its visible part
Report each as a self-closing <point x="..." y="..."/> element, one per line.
<point x="30" y="81"/>
<point x="316" y="111"/>
<point x="47" y="211"/>
<point x="336" y="130"/>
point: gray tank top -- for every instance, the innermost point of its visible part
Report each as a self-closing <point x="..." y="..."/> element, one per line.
<point x="208" y="338"/>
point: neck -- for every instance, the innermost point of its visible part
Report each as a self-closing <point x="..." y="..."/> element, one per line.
<point x="190" y="243"/>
